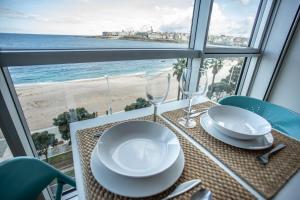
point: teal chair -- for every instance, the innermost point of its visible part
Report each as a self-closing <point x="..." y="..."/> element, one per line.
<point x="26" y="177"/>
<point x="280" y="118"/>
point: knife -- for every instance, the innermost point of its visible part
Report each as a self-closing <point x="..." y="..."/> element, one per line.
<point x="182" y="188"/>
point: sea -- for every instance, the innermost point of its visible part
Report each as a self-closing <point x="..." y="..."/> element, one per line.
<point x="67" y="72"/>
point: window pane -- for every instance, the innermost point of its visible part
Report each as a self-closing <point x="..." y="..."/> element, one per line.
<point x="45" y="91"/>
<point x="232" y="22"/>
<point x="52" y="96"/>
<point x="5" y="152"/>
<point x="95" y="24"/>
<point x="223" y="76"/>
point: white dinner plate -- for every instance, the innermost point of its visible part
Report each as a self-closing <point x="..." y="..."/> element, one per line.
<point x="136" y="187"/>
<point x="238" y="123"/>
<point x="138" y="148"/>
<point x="261" y="142"/>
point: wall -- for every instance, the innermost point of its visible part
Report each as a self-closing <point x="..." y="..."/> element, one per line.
<point x="279" y="30"/>
<point x="286" y="90"/>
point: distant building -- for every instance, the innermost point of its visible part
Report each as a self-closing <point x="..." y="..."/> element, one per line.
<point x="240" y="41"/>
<point x="141" y="34"/>
<point x="172" y="36"/>
<point x="227" y="40"/>
<point x="155" y="36"/>
<point x="115" y="34"/>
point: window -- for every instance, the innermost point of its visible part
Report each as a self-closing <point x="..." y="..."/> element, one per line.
<point x="232" y="22"/>
<point x="49" y="90"/>
<point x="55" y="56"/>
<point x="223" y="76"/>
<point x="52" y="96"/>
<point x="95" y="24"/>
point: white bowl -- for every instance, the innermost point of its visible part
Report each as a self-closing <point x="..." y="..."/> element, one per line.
<point x="238" y="123"/>
<point x="138" y="148"/>
<point x="136" y="187"/>
<point x="258" y="143"/>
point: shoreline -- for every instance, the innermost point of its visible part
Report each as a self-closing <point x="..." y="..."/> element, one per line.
<point x="19" y="85"/>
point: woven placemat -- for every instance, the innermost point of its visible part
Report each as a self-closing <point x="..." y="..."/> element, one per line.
<point x="267" y="180"/>
<point x="197" y="165"/>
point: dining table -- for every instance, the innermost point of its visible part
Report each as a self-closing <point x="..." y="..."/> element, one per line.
<point x="250" y="180"/>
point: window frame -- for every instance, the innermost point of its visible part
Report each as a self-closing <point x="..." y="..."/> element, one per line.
<point x="195" y="53"/>
<point x="254" y="30"/>
<point x="254" y="49"/>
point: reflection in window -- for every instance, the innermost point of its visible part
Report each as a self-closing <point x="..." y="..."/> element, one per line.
<point x="223" y="76"/>
<point x="5" y="152"/>
<point x="232" y="22"/>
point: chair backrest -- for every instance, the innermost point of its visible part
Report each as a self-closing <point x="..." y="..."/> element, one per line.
<point x="24" y="178"/>
<point x="280" y="118"/>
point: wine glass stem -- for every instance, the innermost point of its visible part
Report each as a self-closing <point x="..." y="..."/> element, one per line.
<point x="155" y="112"/>
<point x="109" y="111"/>
<point x="189" y="110"/>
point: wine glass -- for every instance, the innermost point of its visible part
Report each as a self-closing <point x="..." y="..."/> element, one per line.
<point x="157" y="89"/>
<point x="188" y="121"/>
<point x="202" y="84"/>
<point x="108" y="96"/>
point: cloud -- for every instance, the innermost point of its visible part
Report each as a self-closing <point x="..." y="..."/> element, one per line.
<point x="9" y="13"/>
<point x="222" y="24"/>
<point x="183" y="25"/>
<point x="13" y="14"/>
<point x="68" y="20"/>
<point x="175" y="19"/>
<point x="93" y="17"/>
<point x="244" y="2"/>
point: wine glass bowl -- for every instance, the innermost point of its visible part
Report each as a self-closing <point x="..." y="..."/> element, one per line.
<point x="157" y="88"/>
<point x="203" y="83"/>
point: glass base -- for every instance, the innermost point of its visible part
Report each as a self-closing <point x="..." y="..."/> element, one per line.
<point x="192" y="111"/>
<point x="191" y="123"/>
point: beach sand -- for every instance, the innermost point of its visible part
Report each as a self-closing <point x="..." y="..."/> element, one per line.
<point x="44" y="101"/>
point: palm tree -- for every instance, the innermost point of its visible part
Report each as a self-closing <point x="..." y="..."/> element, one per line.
<point x="232" y="79"/>
<point x="216" y="65"/>
<point x="178" y="69"/>
<point x="227" y="85"/>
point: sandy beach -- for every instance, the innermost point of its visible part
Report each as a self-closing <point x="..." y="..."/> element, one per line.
<point x="43" y="101"/>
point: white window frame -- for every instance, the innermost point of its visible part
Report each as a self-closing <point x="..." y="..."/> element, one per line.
<point x="278" y="35"/>
<point x="195" y="53"/>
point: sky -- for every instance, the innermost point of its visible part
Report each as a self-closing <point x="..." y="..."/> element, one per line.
<point x="92" y="17"/>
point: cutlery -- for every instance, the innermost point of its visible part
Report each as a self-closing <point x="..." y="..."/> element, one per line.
<point x="192" y="111"/>
<point x="182" y="188"/>
<point x="198" y="113"/>
<point x="195" y="111"/>
<point x="96" y="135"/>
<point x="264" y="159"/>
<point x="203" y="194"/>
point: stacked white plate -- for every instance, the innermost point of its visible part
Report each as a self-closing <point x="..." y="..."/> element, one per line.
<point x="137" y="159"/>
<point x="237" y="127"/>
